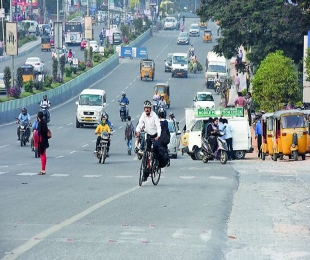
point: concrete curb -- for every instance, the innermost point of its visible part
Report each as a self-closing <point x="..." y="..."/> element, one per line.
<point x="23" y="52"/>
<point x="10" y="109"/>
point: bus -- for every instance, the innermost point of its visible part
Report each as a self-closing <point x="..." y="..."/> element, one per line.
<point x="74" y="31"/>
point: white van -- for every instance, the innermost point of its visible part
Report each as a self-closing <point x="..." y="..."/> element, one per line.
<point x="170" y="23"/>
<point x="30" y="25"/>
<point x="179" y="65"/>
<point x="90" y="107"/>
<point x="242" y="136"/>
<point x="174" y="145"/>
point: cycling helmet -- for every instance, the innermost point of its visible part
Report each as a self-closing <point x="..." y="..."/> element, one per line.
<point x="147" y="103"/>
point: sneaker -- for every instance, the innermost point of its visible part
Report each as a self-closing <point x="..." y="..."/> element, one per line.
<point x="95" y="152"/>
<point x="108" y="155"/>
<point x="136" y="150"/>
<point x="140" y="152"/>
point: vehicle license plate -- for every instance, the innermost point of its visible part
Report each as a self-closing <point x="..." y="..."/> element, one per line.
<point x="88" y="119"/>
<point x="179" y="73"/>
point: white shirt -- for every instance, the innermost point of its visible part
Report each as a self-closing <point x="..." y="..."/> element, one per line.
<point x="151" y="123"/>
<point x="156" y="97"/>
<point x="45" y="103"/>
<point x="162" y="103"/>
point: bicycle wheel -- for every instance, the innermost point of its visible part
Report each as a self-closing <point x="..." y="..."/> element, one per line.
<point x="142" y="169"/>
<point x="156" y="171"/>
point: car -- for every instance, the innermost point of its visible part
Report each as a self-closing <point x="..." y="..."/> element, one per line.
<point x="2" y="86"/>
<point x="174" y="145"/>
<point x="62" y="52"/>
<point x="170" y="23"/>
<point x="94" y="45"/>
<point x="37" y="63"/>
<point x="183" y="38"/>
<point x="83" y="44"/>
<point x="194" y="30"/>
<point x="168" y="62"/>
<point x="203" y="100"/>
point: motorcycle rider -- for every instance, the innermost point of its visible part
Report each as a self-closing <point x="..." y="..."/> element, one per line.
<point x="23" y="119"/>
<point x="108" y="122"/>
<point x="212" y="133"/>
<point x="151" y="122"/>
<point x="101" y="37"/>
<point x="70" y="56"/>
<point x="102" y="127"/>
<point x="162" y="105"/>
<point x="45" y="103"/>
<point x="217" y="80"/>
<point x="156" y="96"/>
<point x="191" y="51"/>
<point x="126" y="101"/>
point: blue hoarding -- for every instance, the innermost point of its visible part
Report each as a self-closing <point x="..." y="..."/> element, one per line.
<point x="126" y="52"/>
<point x="141" y="53"/>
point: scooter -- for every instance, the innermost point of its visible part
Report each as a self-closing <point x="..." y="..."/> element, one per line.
<point x="207" y="153"/>
<point x="46" y="113"/>
<point x="162" y="109"/>
<point x="155" y="106"/>
<point x="218" y="87"/>
<point x="123" y="111"/>
<point x="195" y="67"/>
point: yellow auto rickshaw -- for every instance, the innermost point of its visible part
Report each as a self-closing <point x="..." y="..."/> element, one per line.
<point x="207" y="35"/>
<point x="291" y="134"/>
<point x="147" y="69"/>
<point x="268" y="135"/>
<point x="202" y="24"/>
<point x="45" y="43"/>
<point x="163" y="90"/>
<point x="28" y="73"/>
<point x="307" y="114"/>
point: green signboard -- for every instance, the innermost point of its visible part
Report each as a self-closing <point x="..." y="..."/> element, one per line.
<point x="224" y="112"/>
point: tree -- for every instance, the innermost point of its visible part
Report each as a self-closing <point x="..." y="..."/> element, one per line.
<point x="133" y="4"/>
<point x="7" y="79"/>
<point x="275" y="82"/>
<point x="138" y="24"/>
<point x="307" y="64"/>
<point x="261" y="26"/>
<point x="19" y="79"/>
<point x="62" y="62"/>
<point x="55" y="68"/>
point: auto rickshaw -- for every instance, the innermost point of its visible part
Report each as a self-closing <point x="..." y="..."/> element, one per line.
<point x="202" y="24"/>
<point x="267" y="135"/>
<point x="207" y="35"/>
<point x="163" y="90"/>
<point x="307" y="114"/>
<point x="147" y="69"/>
<point x="291" y="134"/>
<point x="45" y="43"/>
<point x="28" y="73"/>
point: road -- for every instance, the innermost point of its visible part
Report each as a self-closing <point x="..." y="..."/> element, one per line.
<point x="85" y="210"/>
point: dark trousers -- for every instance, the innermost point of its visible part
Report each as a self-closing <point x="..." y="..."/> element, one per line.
<point x="249" y="117"/>
<point x="230" y="148"/>
<point x="259" y="144"/>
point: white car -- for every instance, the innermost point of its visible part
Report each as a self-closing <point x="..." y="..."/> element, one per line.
<point x="2" y="86"/>
<point x="194" y="30"/>
<point x="204" y="100"/>
<point x="37" y="63"/>
<point x="175" y="134"/>
<point x="94" y="45"/>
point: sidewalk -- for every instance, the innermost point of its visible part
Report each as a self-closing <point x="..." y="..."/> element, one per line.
<point x="23" y="50"/>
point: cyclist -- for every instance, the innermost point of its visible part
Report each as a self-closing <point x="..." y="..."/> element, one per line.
<point x="103" y="127"/>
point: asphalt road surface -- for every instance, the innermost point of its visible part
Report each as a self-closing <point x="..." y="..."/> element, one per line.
<point x="85" y="210"/>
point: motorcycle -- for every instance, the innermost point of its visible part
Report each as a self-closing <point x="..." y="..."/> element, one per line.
<point x="123" y="111"/>
<point x="218" y="87"/>
<point x="24" y="132"/>
<point x="161" y="109"/>
<point x="46" y="113"/>
<point x="102" y="149"/>
<point x="155" y="106"/>
<point x="207" y="153"/>
<point x="195" y="67"/>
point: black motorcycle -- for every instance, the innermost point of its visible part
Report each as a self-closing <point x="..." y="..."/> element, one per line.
<point x="123" y="111"/>
<point x="102" y="149"/>
<point x="46" y="113"/>
<point x="24" y="132"/>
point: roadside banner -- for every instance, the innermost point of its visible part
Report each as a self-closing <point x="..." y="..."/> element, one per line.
<point x="224" y="112"/>
<point x="126" y="52"/>
<point x="133" y="52"/>
<point x="141" y="53"/>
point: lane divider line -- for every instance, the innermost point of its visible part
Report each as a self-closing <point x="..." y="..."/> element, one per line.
<point x="85" y="145"/>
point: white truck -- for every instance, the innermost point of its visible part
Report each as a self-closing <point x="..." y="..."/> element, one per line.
<point x="191" y="140"/>
<point x="90" y="107"/>
<point x="215" y="65"/>
<point x="179" y="65"/>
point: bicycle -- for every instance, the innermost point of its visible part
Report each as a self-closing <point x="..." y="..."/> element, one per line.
<point x="149" y="164"/>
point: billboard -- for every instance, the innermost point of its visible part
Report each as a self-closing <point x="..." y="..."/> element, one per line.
<point x="11" y="42"/>
<point x="88" y="27"/>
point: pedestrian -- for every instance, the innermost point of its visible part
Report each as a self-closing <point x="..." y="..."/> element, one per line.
<point x="240" y="101"/>
<point x="250" y="107"/>
<point x="229" y="139"/>
<point x="129" y="132"/>
<point x="51" y="22"/>
<point x="237" y="82"/>
<point x="1" y="48"/>
<point x="258" y="136"/>
<point x="240" y="57"/>
<point x="43" y="141"/>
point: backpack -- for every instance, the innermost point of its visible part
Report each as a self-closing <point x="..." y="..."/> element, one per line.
<point x="128" y="131"/>
<point x="163" y="157"/>
<point x="165" y="134"/>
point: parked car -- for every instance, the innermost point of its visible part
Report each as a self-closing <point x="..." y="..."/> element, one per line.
<point x="194" y="30"/>
<point x="83" y="44"/>
<point x="204" y="100"/>
<point x="2" y="86"/>
<point x="168" y="62"/>
<point x="37" y="63"/>
<point x="183" y="38"/>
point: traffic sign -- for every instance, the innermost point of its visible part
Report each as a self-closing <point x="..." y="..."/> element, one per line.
<point x="224" y="112"/>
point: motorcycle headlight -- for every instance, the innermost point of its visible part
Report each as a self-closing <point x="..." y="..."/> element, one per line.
<point x="22" y="127"/>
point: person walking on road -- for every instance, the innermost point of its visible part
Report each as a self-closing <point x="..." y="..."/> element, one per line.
<point x="237" y="82"/>
<point x="1" y="48"/>
<point x="129" y="132"/>
<point x="229" y="139"/>
<point x="240" y="101"/>
<point x="43" y="141"/>
<point x="258" y="136"/>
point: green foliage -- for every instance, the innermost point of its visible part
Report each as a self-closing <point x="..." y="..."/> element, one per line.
<point x="82" y="66"/>
<point x="7" y="78"/>
<point x="275" y="82"/>
<point x="147" y="22"/>
<point x="138" y="24"/>
<point x="62" y="63"/>
<point x="68" y="71"/>
<point x="262" y="26"/>
<point x="19" y="79"/>
<point x="85" y="55"/>
<point x="71" y="16"/>
<point x="307" y="64"/>
<point x="55" y="68"/>
<point x="48" y="81"/>
<point x="91" y="53"/>
<point x="97" y="57"/>
<point x="38" y="85"/>
<point x="26" y="39"/>
<point x="125" y="30"/>
<point x="29" y="86"/>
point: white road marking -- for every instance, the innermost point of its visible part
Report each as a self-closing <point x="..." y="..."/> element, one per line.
<point x="206" y="236"/>
<point x="69" y="124"/>
<point x="117" y="96"/>
<point x="94" y="141"/>
<point x="6" y="145"/>
<point x="125" y="88"/>
<point x="135" y="79"/>
<point x="85" y="145"/>
<point x="22" y="164"/>
<point x="120" y="127"/>
<point x="27" y="174"/>
<point x="60" y="156"/>
<point x="129" y="176"/>
<point x="72" y="152"/>
<point x="59" y="175"/>
<point x="4" y="166"/>
<point x="130" y="84"/>
<point x="112" y="100"/>
<point x="60" y="127"/>
<point x="3" y="172"/>
<point x="38" y="238"/>
<point x="92" y="176"/>
<point x="187" y="177"/>
<point x="217" y="178"/>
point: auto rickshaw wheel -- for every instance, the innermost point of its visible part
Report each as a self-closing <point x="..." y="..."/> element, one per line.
<point x="295" y="155"/>
<point x="141" y="78"/>
<point x="152" y="78"/>
<point x="303" y="157"/>
<point x="275" y="157"/>
<point x="263" y="156"/>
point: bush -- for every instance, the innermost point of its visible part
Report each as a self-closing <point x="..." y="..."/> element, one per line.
<point x="89" y="64"/>
<point x="15" y="92"/>
<point x="62" y="63"/>
<point x="28" y="86"/>
<point x="48" y="81"/>
<point x="85" y="55"/>
<point x="19" y="79"/>
<point x="82" y="66"/>
<point x="7" y="78"/>
<point x="38" y="85"/>
<point x="55" y="68"/>
<point x="68" y="71"/>
<point x="74" y="70"/>
<point x="97" y="57"/>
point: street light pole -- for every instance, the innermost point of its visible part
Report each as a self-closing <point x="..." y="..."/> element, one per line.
<point x="12" y="56"/>
<point x="108" y="31"/>
<point x="2" y="26"/>
<point x="58" y="40"/>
